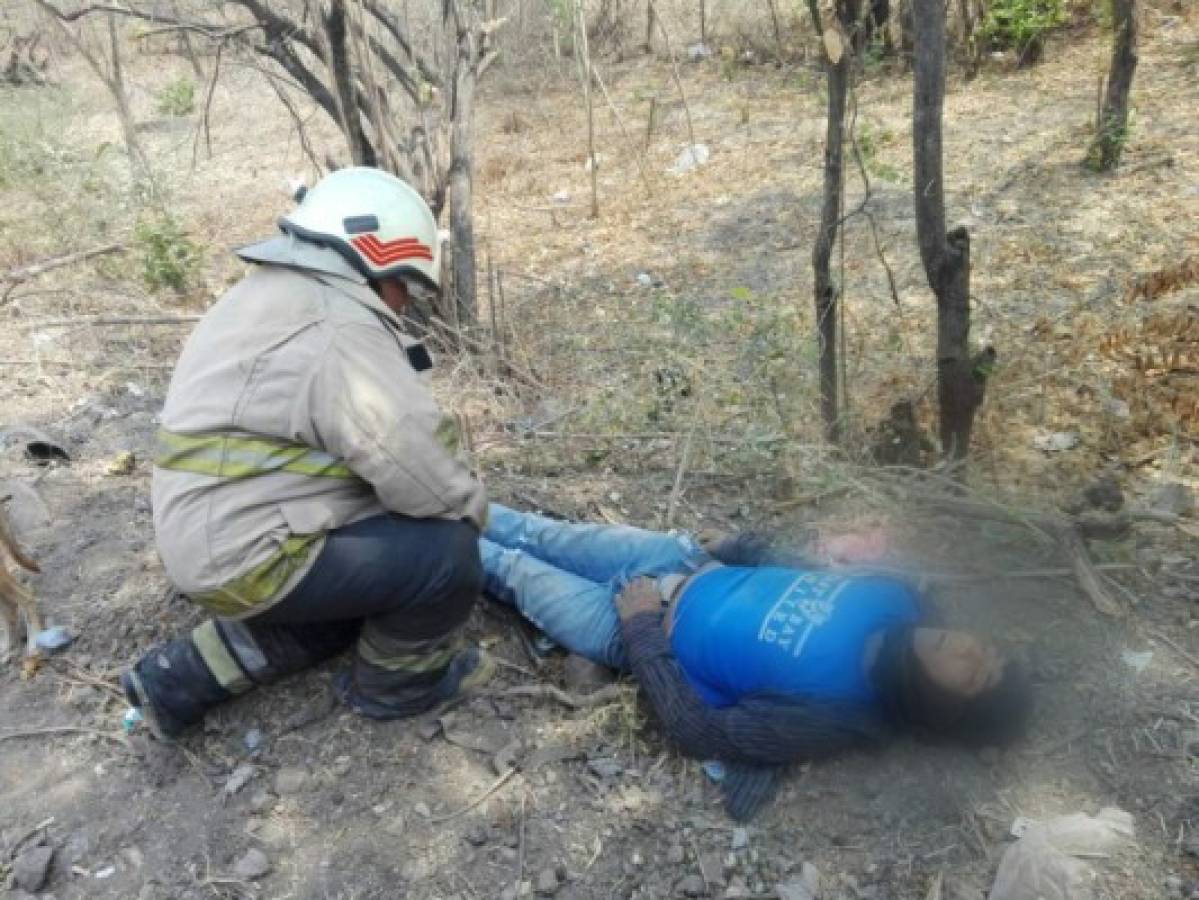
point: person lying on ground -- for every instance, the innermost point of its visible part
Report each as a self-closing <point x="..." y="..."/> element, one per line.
<point x="750" y="655"/>
<point x="307" y="491"/>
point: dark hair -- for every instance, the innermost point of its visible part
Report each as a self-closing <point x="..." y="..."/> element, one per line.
<point x="912" y="700"/>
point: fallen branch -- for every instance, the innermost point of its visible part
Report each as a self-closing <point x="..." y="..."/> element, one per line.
<point x="66" y="729"/>
<point x="106" y="321"/>
<point x="574" y="701"/>
<point x="15" y="276"/>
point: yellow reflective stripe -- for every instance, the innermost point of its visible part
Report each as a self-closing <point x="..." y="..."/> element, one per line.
<point x="413" y="663"/>
<point x="262" y="583"/>
<point x="234" y="456"/>
<point x="219" y="660"/>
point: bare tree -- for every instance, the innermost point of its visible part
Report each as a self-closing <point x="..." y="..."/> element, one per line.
<point x="1111" y="131"/>
<point x="826" y="292"/>
<point x="961" y="380"/>
<point x="103" y="57"/>
<point x="403" y="104"/>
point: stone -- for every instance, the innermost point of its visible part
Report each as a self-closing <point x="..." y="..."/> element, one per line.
<point x="260" y="801"/>
<point x="740" y="838"/>
<point x="676" y="854"/>
<point x="604" y="767"/>
<point x="794" y="888"/>
<point x="290" y="780"/>
<point x="692" y="886"/>
<point x="737" y="889"/>
<point x="508" y="893"/>
<point x="32" y="867"/>
<point x="239" y="778"/>
<point x="341" y="766"/>
<point x="476" y="835"/>
<point x="252" y="866"/>
<point x="421" y="809"/>
<point x="712" y="867"/>
<point x="547" y="882"/>
<point x="1172" y="498"/>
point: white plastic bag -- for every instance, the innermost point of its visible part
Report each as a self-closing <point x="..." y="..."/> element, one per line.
<point x="1043" y="864"/>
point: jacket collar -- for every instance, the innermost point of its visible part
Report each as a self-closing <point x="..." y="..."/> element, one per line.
<point x="324" y="264"/>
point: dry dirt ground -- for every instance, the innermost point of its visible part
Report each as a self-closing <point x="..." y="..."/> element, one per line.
<point x="708" y="353"/>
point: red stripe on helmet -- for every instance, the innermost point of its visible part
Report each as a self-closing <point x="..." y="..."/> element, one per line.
<point x="382" y="253"/>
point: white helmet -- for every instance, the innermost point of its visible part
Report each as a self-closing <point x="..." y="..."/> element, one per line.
<point x="376" y="221"/>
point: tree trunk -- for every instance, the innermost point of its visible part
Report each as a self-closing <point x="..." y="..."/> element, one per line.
<point x="826" y="292"/>
<point x="946" y="257"/>
<point x="336" y="31"/>
<point x="462" y="103"/>
<point x="583" y="58"/>
<point x="1112" y="127"/>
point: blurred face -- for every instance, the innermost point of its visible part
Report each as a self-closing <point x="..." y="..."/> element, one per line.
<point x="395" y="294"/>
<point x="956" y="661"/>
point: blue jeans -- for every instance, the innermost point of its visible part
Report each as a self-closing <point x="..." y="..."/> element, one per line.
<point x="564" y="578"/>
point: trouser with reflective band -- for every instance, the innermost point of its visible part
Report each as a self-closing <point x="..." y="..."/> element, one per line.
<point x="412" y="584"/>
<point x="401" y="588"/>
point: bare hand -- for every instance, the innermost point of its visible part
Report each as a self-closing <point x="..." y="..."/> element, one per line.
<point x="640" y="596"/>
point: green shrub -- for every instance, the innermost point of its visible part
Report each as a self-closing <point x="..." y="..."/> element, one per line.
<point x="169" y="257"/>
<point x="178" y="98"/>
<point x="1021" y="25"/>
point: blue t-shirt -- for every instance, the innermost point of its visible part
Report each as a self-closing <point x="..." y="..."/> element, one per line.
<point x="740" y="631"/>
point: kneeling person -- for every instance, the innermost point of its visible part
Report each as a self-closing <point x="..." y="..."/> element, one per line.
<point x="306" y="491"/>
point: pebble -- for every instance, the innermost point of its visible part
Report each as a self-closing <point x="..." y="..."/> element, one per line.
<point x="32" y="867"/>
<point x="476" y="835"/>
<point x="740" y="838"/>
<point x="290" y="780"/>
<point x="341" y="766"/>
<point x="676" y="854"/>
<point x="254" y="739"/>
<point x="692" y="886"/>
<point x="252" y="866"/>
<point x="421" y="809"/>
<point x="54" y="639"/>
<point x="547" y="881"/>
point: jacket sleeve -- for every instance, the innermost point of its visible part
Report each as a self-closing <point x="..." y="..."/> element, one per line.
<point x="747" y="548"/>
<point x="761" y="731"/>
<point x="368" y="407"/>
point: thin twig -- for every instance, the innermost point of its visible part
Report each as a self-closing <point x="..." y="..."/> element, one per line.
<point x="495" y="786"/>
<point x="676" y="490"/>
<point x="1169" y="642"/>
<point x="674" y="68"/>
<point x="40" y="826"/>
<point x="637" y="156"/>
<point x="107" y="321"/>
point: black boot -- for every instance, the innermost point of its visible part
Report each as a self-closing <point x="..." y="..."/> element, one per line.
<point x="173" y="688"/>
<point x="176" y="684"/>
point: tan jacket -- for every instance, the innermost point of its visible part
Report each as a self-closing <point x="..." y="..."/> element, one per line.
<point x="293" y="410"/>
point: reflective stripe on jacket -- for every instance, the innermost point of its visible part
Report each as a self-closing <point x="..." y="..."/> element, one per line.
<point x="293" y="410"/>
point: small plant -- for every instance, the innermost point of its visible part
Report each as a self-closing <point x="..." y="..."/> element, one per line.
<point x="1021" y="25"/>
<point x="169" y="258"/>
<point x="178" y="98"/>
<point x="869" y="142"/>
